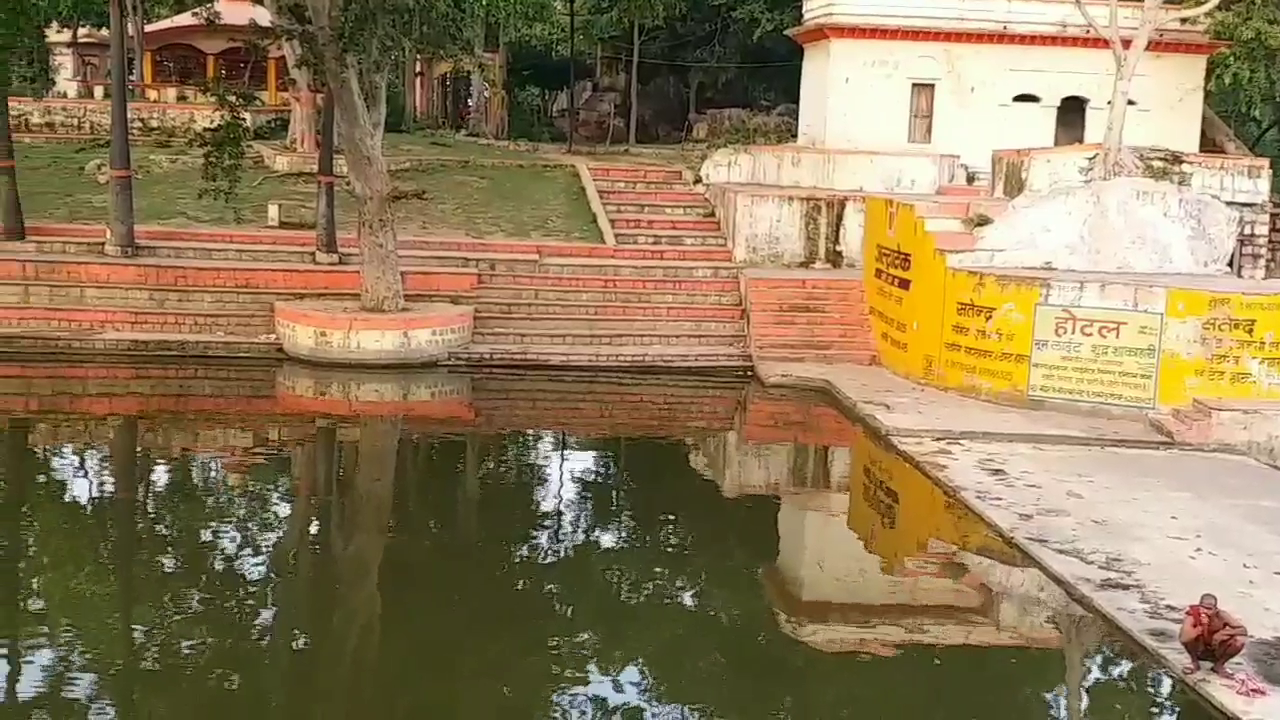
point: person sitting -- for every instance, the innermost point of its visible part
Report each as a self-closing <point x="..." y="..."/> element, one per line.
<point x="1211" y="635"/>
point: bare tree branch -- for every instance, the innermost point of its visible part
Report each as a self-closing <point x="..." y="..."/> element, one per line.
<point x="1112" y="36"/>
<point x="1190" y="13"/>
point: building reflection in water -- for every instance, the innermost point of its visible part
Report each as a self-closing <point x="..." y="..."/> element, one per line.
<point x="307" y="561"/>
<point x="874" y="558"/>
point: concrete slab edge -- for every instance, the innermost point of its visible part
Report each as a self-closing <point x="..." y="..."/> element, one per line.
<point x="867" y="417"/>
<point x="885" y="438"/>
<point x="597" y="205"/>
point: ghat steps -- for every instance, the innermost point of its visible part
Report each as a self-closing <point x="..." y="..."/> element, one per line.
<point x="211" y="294"/>
<point x="655" y="206"/>
<point x="809" y="316"/>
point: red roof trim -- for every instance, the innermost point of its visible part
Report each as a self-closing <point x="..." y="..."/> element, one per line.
<point x="808" y="35"/>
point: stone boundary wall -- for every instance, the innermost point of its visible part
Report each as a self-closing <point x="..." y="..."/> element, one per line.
<point x="1098" y="340"/>
<point x="92" y="118"/>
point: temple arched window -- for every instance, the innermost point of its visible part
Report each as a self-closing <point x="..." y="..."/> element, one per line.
<point x="242" y="67"/>
<point x="178" y="64"/>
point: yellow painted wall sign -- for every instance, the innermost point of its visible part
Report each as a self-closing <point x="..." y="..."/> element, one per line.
<point x="1220" y="345"/>
<point x="989" y="334"/>
<point x="986" y="332"/>
<point x="903" y="283"/>
<point x="1096" y="355"/>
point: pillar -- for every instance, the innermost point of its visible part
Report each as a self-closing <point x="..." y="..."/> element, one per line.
<point x="273" y="70"/>
<point x="148" y="67"/>
<point x="210" y="67"/>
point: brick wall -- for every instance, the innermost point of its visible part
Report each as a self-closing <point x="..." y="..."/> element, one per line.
<point x="808" y="316"/>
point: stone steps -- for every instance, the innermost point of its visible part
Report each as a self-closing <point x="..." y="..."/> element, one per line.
<point x="642" y="185"/>
<point x="115" y="319"/>
<point x="636" y="172"/>
<point x="577" y="336"/>
<point x="800" y="328"/>
<point x="632" y="268"/>
<point x="785" y="312"/>
<point x="668" y="197"/>
<point x="95" y="344"/>
<point x="809" y="317"/>
<point x="697" y="209"/>
<point x="810" y="354"/>
<point x="282" y="277"/>
<point x="632" y="310"/>
<point x="596" y="388"/>
<point x="632" y="221"/>
<point x="487" y="293"/>
<point x="646" y="236"/>
<point x="410" y="254"/>
<point x="577" y="324"/>
<point x="550" y="356"/>
<point x="169" y="298"/>
<point x="974" y="191"/>
<point x="608" y="282"/>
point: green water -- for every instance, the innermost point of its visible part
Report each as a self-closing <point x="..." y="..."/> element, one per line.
<point x="523" y="575"/>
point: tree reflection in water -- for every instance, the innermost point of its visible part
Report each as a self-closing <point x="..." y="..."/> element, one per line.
<point x="374" y="572"/>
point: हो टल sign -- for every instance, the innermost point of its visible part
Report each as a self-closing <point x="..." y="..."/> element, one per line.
<point x="1095" y="355"/>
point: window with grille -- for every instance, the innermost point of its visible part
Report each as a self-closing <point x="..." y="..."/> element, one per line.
<point x="920" y="130"/>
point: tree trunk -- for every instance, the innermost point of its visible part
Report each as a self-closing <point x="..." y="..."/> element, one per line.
<point x="410" y="89"/>
<point x="139" y="43"/>
<point x="634" y="93"/>
<point x="381" y="287"/>
<point x="74" y="47"/>
<point x="120" y="239"/>
<point x="326" y="221"/>
<point x="306" y="137"/>
<point x="476" y="120"/>
<point x="12" y="226"/>
<point x="302" y="101"/>
<point x="427" y="110"/>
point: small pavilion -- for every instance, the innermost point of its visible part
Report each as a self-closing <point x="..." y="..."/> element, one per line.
<point x="219" y="40"/>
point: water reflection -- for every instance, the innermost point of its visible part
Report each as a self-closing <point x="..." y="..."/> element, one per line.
<point x="342" y="567"/>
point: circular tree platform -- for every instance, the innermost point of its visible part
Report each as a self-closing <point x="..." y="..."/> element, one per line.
<point x="339" y="333"/>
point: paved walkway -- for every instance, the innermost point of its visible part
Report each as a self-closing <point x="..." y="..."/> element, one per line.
<point x="1133" y="527"/>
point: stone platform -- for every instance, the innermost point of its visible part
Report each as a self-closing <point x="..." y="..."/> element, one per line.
<point x="1129" y="525"/>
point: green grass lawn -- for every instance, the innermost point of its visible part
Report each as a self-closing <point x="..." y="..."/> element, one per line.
<point x="429" y="144"/>
<point x="478" y="201"/>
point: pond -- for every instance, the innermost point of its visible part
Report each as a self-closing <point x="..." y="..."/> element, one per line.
<point x="630" y="556"/>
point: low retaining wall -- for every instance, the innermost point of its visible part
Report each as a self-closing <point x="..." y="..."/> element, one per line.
<point x="797" y="166"/>
<point x="1127" y="341"/>
<point x="56" y="116"/>
<point x="786" y="227"/>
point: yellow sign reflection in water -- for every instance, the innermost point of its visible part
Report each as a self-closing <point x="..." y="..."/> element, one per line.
<point x="896" y="510"/>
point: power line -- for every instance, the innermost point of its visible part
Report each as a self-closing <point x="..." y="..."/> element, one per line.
<point x="683" y="63"/>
